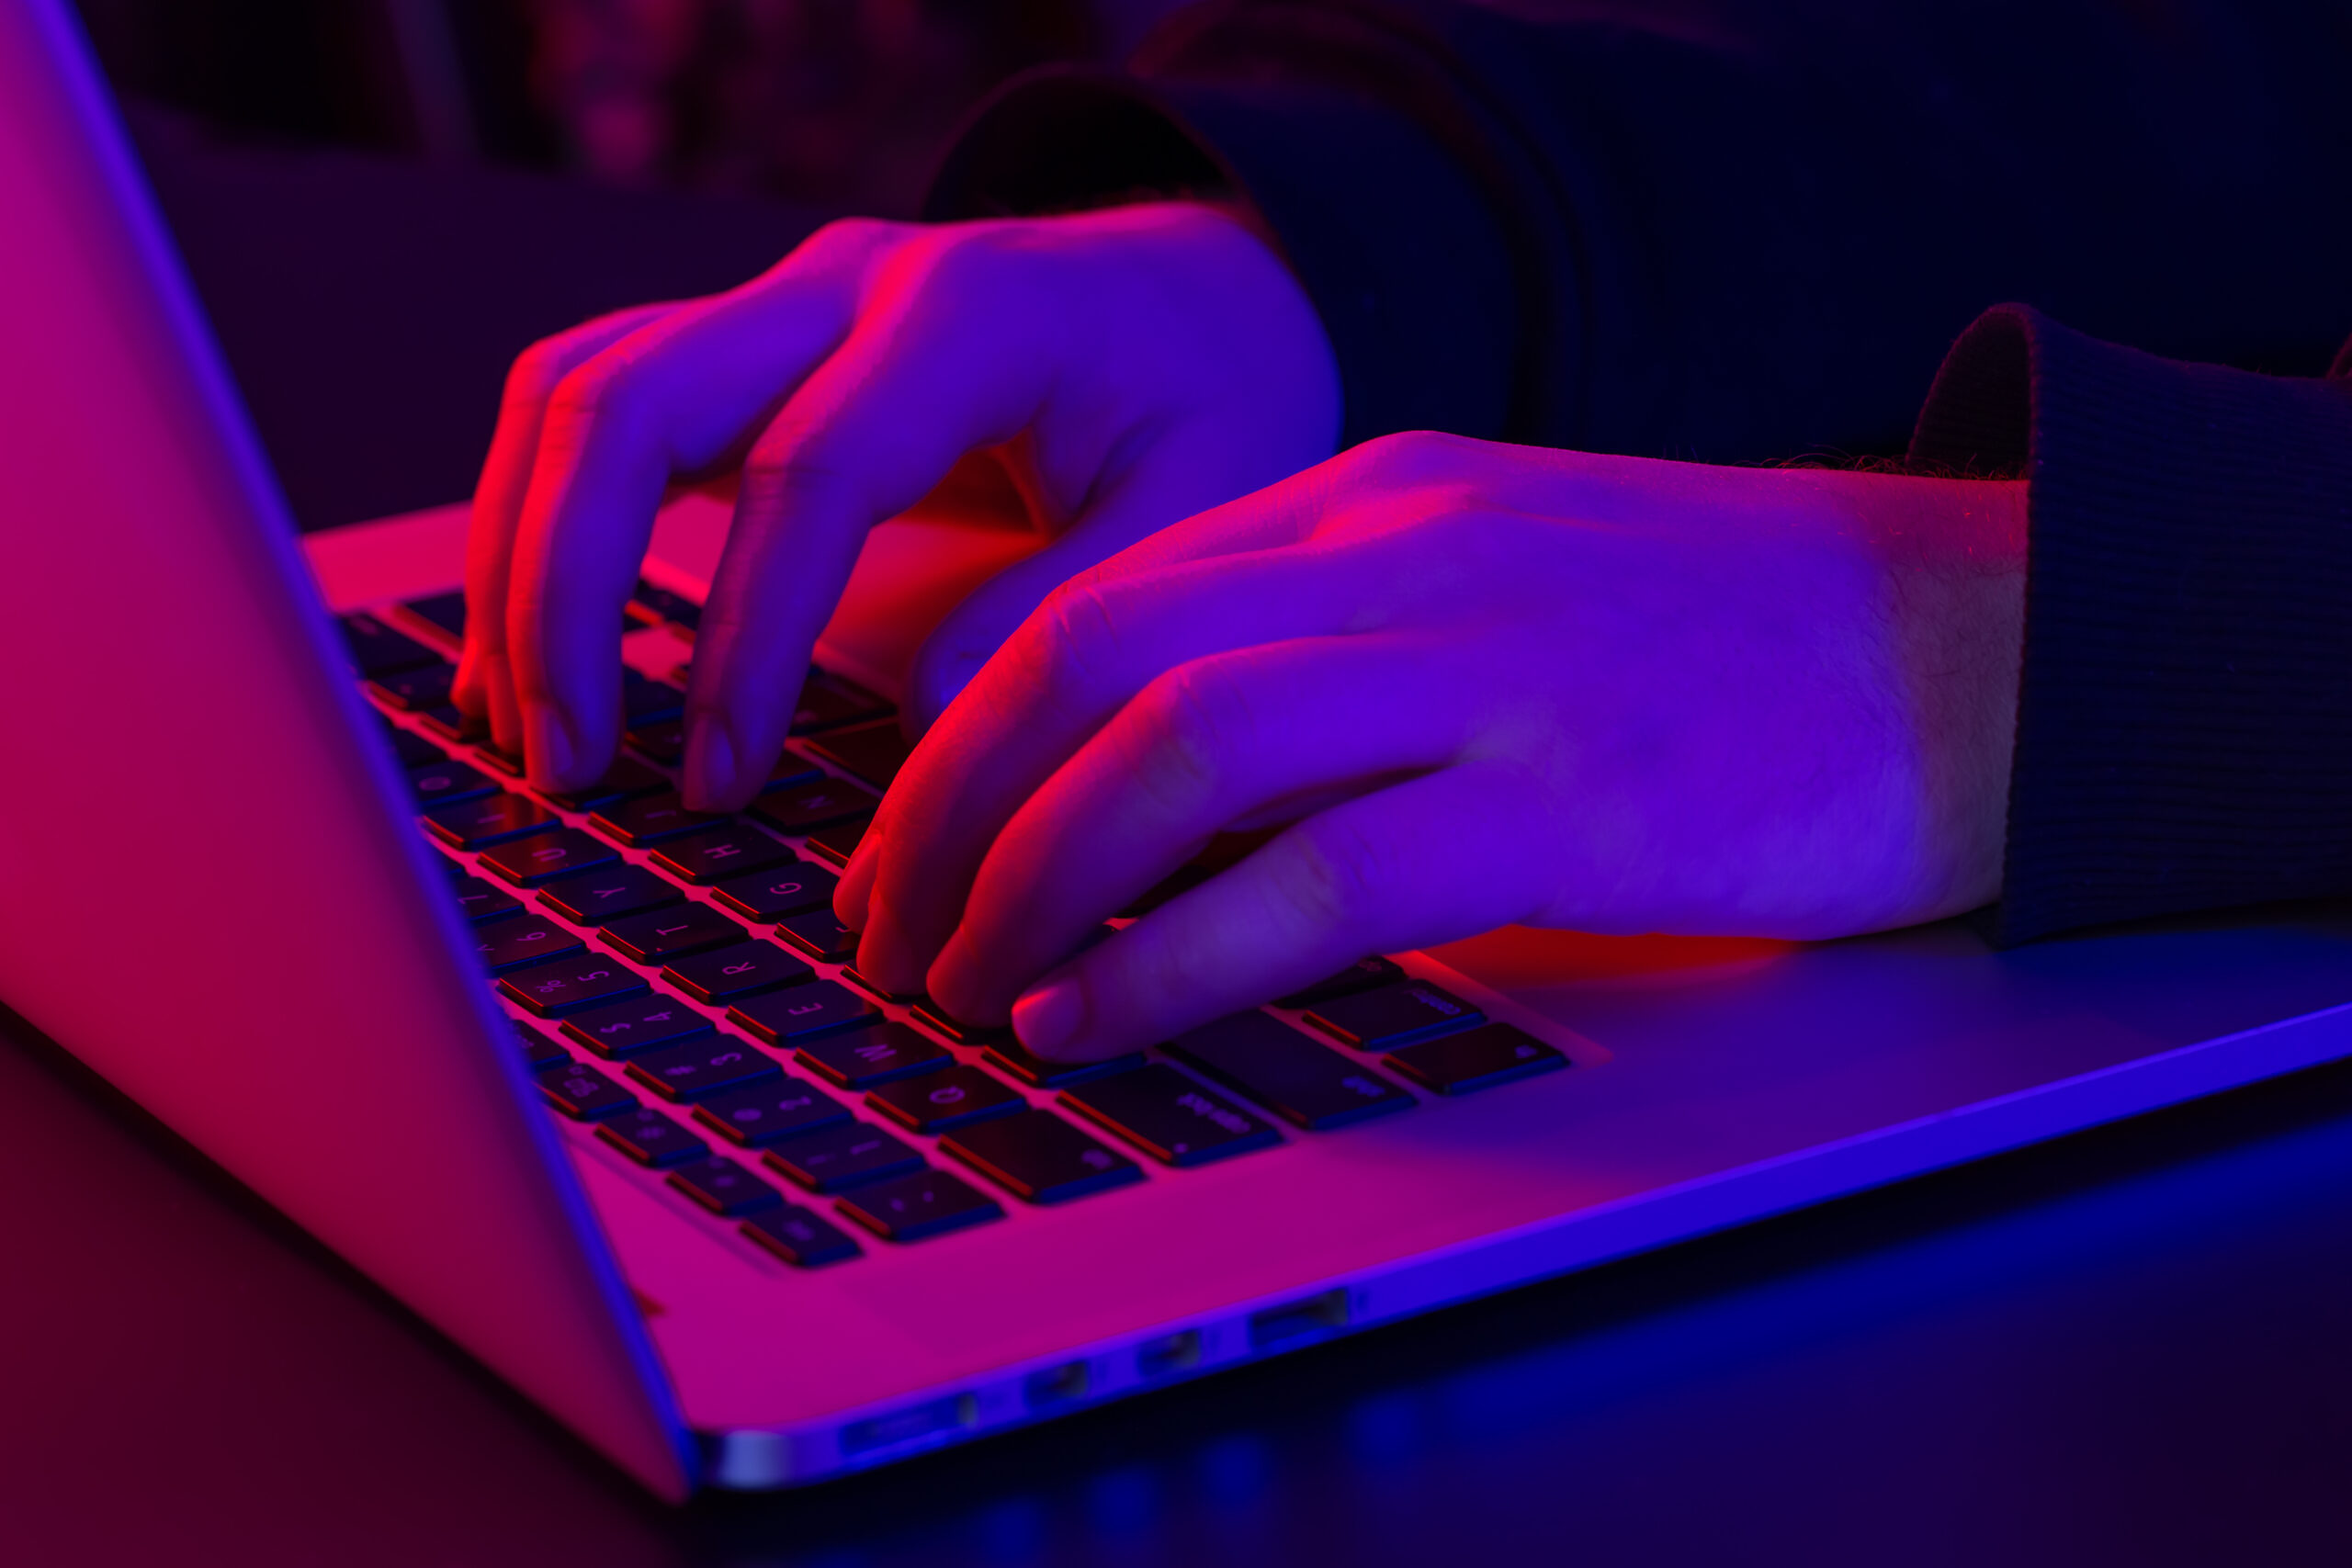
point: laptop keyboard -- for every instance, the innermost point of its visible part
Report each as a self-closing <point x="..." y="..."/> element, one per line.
<point x="681" y="987"/>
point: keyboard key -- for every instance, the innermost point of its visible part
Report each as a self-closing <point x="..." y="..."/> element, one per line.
<point x="665" y="743"/>
<point x="714" y="979"/>
<point x="872" y="987"/>
<point x="805" y="808"/>
<point x="1476" y="1058"/>
<point x="542" y="857"/>
<point x="476" y="824"/>
<point x="1170" y="1117"/>
<point x="481" y="900"/>
<point x="568" y="984"/>
<point x="832" y="1159"/>
<point x="701" y="1066"/>
<point x="413" y="751"/>
<point x="818" y="935"/>
<point x="1394" y="1016"/>
<point x="592" y="897"/>
<point x="929" y="1013"/>
<point x="779" y="891"/>
<point x="724" y="1188"/>
<point x="792" y="770"/>
<point x="786" y="1019"/>
<point x="1360" y="976"/>
<point x="1040" y="1156"/>
<point x="762" y="1113"/>
<point x="625" y="780"/>
<point x="720" y="853"/>
<point x="645" y="701"/>
<point x="1264" y="1059"/>
<point x="652" y="1139"/>
<point x="446" y="611"/>
<point x="583" y="1093"/>
<point x="649" y="819"/>
<point x="508" y="764"/>
<point x="377" y="649"/>
<point x="413" y="691"/>
<point x="1008" y="1055"/>
<point x="928" y="1203"/>
<point x="828" y="702"/>
<point x="539" y="1051"/>
<point x="873" y="1056"/>
<point x="450" y="724"/>
<point x="839" y="842"/>
<point x="441" y="782"/>
<point x="638" y="1025"/>
<point x="660" y="935"/>
<point x="505" y="943"/>
<point x="800" y="1236"/>
<point x="874" y="752"/>
<point x="949" y="1097"/>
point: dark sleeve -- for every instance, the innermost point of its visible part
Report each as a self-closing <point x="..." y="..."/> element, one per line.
<point x="2184" y="721"/>
<point x="1725" y="230"/>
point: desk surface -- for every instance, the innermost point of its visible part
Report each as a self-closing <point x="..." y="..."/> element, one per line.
<point x="2128" y="1346"/>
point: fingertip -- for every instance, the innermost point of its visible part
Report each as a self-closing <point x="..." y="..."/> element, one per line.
<point x="1051" y="1018"/>
<point x="550" y="753"/>
<point x="710" y="779"/>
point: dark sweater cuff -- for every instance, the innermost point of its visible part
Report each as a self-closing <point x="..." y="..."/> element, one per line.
<point x="2185" y="718"/>
<point x="1403" y="260"/>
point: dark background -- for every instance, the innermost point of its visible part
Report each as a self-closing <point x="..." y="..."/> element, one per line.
<point x="2126" y="1347"/>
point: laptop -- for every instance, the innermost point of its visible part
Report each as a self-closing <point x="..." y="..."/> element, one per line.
<point x="598" y="1092"/>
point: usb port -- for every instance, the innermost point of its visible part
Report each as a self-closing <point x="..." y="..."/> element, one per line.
<point x="1296" y="1320"/>
<point x="1171" y="1353"/>
<point x="1057" y="1385"/>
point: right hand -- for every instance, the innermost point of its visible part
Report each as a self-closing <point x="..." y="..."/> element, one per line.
<point x="1137" y="364"/>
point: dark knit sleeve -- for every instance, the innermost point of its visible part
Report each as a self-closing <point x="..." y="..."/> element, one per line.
<point x="2185" y="719"/>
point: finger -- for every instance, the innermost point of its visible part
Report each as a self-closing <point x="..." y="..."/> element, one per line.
<point x="1439" y="857"/>
<point x="671" y="398"/>
<point x="946" y="356"/>
<point x="1200" y="748"/>
<point x="484" y="686"/>
<point x="1087" y="651"/>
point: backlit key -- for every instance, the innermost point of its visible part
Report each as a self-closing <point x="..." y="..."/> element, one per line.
<point x="786" y="1019"/>
<point x="477" y="824"/>
<point x="1264" y="1059"/>
<point x="762" y="1113"/>
<point x="480" y="901"/>
<point x="502" y="945"/>
<point x="652" y="1139"/>
<point x="1008" y="1055"/>
<point x="1475" y="1059"/>
<point x="928" y="1203"/>
<point x="444" y="782"/>
<point x="649" y="819"/>
<point x="724" y="1188"/>
<point x="716" y="978"/>
<point x="414" y="690"/>
<point x="377" y="649"/>
<point x="568" y="983"/>
<point x="828" y="702"/>
<point x="701" y="1066"/>
<point x="820" y="935"/>
<point x="1360" y="976"/>
<point x="800" y="1236"/>
<point x="1170" y="1117"/>
<point x="1040" y="1157"/>
<point x="1394" y="1015"/>
<point x="542" y="857"/>
<point x="873" y="1056"/>
<point x="672" y="931"/>
<point x="592" y="897"/>
<point x="837" y="844"/>
<point x="640" y="1023"/>
<point x="539" y="1051"/>
<point x="833" y="1159"/>
<point x="625" y="780"/>
<point x="779" y="891"/>
<point x="716" y="854"/>
<point x="806" y="808"/>
<point x="583" y="1093"/>
<point x="949" y="1097"/>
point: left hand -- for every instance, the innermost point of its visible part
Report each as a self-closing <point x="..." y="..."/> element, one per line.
<point x="1483" y="684"/>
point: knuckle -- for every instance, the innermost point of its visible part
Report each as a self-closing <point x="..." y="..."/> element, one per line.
<point x="1073" y="641"/>
<point x="1194" y="723"/>
<point x="1336" y="875"/>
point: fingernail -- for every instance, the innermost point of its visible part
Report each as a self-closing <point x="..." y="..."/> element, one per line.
<point x="1048" y="1017"/>
<point x="547" y="745"/>
<point x="710" y="764"/>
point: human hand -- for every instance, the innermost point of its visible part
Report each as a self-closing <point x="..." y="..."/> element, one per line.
<point x="1484" y="684"/>
<point x="1138" y="366"/>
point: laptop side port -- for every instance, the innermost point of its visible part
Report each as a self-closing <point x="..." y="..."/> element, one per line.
<point x="1170" y="1353"/>
<point x="1314" y="1314"/>
<point x="1057" y="1385"/>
